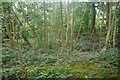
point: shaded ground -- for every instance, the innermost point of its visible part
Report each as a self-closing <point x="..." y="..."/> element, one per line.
<point x="62" y="65"/>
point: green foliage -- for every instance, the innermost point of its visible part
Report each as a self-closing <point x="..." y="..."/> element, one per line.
<point x="84" y="46"/>
<point x="9" y="55"/>
<point x="84" y="62"/>
<point x="62" y="65"/>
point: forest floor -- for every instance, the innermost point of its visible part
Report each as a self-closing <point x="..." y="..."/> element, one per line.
<point x="85" y="61"/>
<point x="63" y="65"/>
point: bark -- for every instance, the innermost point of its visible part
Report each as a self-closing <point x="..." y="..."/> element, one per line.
<point x="102" y="23"/>
<point x="114" y="37"/>
<point x="13" y="27"/>
<point x="107" y="14"/>
<point x="109" y="29"/>
<point x="45" y="29"/>
<point x="35" y="41"/>
<point x="72" y="28"/>
<point x="67" y="32"/>
<point x="117" y="16"/>
<point x="93" y="18"/>
<point x="62" y="28"/>
<point x="8" y="30"/>
<point x="111" y="33"/>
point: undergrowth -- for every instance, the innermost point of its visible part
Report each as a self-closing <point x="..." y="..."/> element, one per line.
<point x="54" y="64"/>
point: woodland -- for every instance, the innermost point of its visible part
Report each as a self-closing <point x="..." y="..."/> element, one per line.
<point x="59" y="39"/>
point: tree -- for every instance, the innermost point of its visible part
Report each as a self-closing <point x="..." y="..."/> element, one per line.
<point x="7" y="18"/>
<point x="45" y="28"/>
<point x="109" y="28"/>
<point x="62" y="28"/>
<point x="115" y="24"/>
<point x="72" y="27"/>
<point x="93" y="17"/>
<point x="102" y="23"/>
<point x="35" y="41"/>
<point x="117" y="44"/>
<point x="67" y="31"/>
<point x="107" y="14"/>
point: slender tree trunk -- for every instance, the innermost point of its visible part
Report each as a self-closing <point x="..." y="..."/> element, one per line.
<point x="102" y="23"/>
<point x="114" y="29"/>
<point x="93" y="17"/>
<point x="6" y="15"/>
<point x="35" y="41"/>
<point x="107" y="14"/>
<point x="57" y="21"/>
<point x="45" y="29"/>
<point x="115" y="23"/>
<point x="118" y="27"/>
<point x="72" y="28"/>
<point x="13" y="27"/>
<point x="67" y="32"/>
<point x="62" y="28"/>
<point x="111" y="34"/>
<point x="114" y="37"/>
<point x="38" y="28"/>
<point x="109" y="29"/>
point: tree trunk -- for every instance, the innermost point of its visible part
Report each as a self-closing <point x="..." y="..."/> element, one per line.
<point x="109" y="29"/>
<point x="45" y="29"/>
<point x="6" y="16"/>
<point x="13" y="27"/>
<point x="93" y="17"/>
<point x="67" y="32"/>
<point x="114" y="30"/>
<point x="62" y="28"/>
<point x="102" y="23"/>
<point x="107" y="14"/>
<point x="72" y="28"/>
<point x="35" y="41"/>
